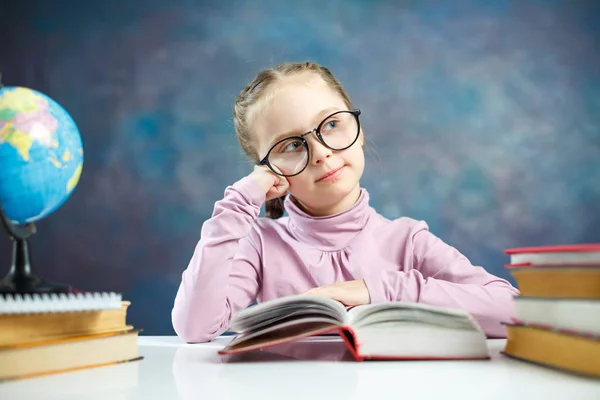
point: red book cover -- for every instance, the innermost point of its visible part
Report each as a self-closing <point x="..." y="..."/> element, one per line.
<point x="564" y="248"/>
<point x="559" y="265"/>
<point x="567" y="254"/>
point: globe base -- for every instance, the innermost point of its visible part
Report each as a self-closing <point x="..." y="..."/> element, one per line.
<point x="22" y="279"/>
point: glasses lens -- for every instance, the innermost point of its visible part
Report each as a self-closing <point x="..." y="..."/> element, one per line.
<point x="340" y="130"/>
<point x="289" y="156"/>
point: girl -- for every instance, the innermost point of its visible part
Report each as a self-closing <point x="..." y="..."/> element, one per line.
<point x="299" y="126"/>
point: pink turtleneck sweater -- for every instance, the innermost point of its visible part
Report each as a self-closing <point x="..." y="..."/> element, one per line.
<point x="241" y="257"/>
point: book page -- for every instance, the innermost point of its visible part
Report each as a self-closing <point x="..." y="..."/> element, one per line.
<point x="284" y="333"/>
<point x="285" y="309"/>
<point x="395" y="313"/>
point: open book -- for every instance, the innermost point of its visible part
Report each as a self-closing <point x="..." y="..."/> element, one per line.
<point x="395" y="331"/>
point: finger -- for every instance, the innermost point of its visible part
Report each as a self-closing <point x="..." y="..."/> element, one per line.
<point x="280" y="178"/>
<point x="284" y="184"/>
<point x="277" y="191"/>
<point x="273" y="193"/>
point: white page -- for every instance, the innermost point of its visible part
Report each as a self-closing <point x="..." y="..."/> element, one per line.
<point x="273" y="310"/>
<point x="408" y="311"/>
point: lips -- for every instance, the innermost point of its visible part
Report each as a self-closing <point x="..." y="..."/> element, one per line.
<point x="329" y="173"/>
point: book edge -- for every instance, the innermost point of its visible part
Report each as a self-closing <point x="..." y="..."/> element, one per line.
<point x="73" y="338"/>
<point x="45" y="340"/>
<point x="559" y="331"/>
<point x="576" y="247"/>
<point x="567" y="266"/>
<point x="354" y="347"/>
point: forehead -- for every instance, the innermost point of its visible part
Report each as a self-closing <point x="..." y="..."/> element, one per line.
<point x="294" y="106"/>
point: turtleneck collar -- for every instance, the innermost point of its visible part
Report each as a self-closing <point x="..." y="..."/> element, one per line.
<point x="332" y="232"/>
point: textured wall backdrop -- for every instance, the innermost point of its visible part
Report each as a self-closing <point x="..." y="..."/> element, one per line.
<point x="482" y="118"/>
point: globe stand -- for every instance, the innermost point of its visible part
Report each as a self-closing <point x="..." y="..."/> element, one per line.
<point x="22" y="278"/>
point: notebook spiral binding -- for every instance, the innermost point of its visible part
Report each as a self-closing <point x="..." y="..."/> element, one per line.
<point x="56" y="303"/>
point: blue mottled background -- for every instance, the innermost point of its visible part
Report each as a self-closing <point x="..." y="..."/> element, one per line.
<point x="482" y="118"/>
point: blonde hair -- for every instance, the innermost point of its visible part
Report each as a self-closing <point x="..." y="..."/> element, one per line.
<point x="256" y="90"/>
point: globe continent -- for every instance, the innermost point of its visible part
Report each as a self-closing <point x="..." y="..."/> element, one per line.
<point x="41" y="155"/>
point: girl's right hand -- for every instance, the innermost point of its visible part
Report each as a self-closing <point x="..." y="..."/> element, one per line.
<point x="274" y="185"/>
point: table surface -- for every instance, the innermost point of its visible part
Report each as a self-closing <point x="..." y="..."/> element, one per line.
<point x="310" y="369"/>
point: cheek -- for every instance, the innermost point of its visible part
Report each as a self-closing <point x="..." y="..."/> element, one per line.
<point x="299" y="183"/>
<point x="355" y="156"/>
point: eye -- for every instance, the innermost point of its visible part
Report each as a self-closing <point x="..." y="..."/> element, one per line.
<point x="329" y="125"/>
<point x="290" y="146"/>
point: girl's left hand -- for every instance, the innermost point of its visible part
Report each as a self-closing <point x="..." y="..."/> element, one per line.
<point x="350" y="293"/>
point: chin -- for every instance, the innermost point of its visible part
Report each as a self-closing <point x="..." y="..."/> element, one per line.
<point x="335" y="191"/>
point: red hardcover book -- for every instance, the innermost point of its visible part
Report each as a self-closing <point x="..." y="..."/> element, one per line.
<point x="387" y="331"/>
<point x="584" y="253"/>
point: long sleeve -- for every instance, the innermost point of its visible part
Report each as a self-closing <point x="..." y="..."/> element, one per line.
<point x="224" y="274"/>
<point x="442" y="276"/>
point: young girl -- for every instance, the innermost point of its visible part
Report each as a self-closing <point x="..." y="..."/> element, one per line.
<point x="299" y="126"/>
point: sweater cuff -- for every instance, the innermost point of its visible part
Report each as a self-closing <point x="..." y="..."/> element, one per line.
<point x="251" y="191"/>
<point x="376" y="288"/>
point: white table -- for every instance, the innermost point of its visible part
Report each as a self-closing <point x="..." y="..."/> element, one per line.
<point x="306" y="371"/>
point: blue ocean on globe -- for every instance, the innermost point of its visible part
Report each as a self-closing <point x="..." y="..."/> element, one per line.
<point x="41" y="155"/>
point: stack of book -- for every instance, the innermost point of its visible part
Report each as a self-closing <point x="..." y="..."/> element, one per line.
<point x="48" y="334"/>
<point x="557" y="315"/>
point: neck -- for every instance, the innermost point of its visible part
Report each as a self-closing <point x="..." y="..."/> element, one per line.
<point x="344" y="204"/>
<point x="334" y="231"/>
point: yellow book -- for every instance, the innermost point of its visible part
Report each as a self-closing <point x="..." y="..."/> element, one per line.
<point x="31" y="327"/>
<point x="68" y="354"/>
<point x="570" y="352"/>
<point x="567" y="282"/>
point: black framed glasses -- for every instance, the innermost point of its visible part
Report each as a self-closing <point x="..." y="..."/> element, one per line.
<point x="290" y="156"/>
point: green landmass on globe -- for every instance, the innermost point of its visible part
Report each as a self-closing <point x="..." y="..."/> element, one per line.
<point x="41" y="155"/>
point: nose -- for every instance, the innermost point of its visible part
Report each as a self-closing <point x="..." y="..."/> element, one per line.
<point x="318" y="151"/>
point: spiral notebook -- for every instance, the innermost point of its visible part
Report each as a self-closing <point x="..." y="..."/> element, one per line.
<point x="59" y="303"/>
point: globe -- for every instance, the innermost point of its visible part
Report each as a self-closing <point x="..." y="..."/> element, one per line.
<point x="41" y="155"/>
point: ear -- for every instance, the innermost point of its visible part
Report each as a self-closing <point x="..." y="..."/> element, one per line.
<point x="362" y="138"/>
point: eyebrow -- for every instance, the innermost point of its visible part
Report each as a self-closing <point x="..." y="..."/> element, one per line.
<point x="319" y="117"/>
